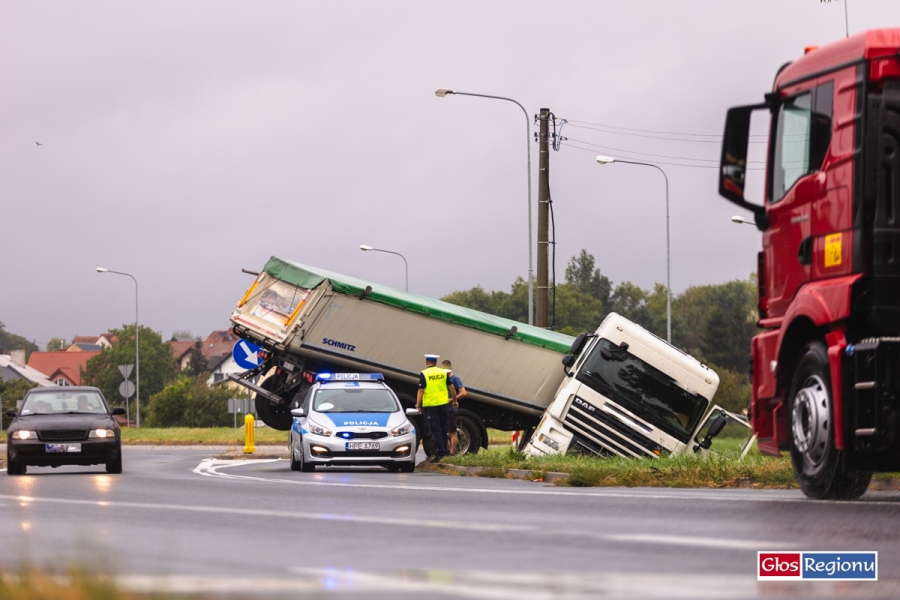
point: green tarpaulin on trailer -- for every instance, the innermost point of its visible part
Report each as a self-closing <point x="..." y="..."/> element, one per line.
<point x="311" y="277"/>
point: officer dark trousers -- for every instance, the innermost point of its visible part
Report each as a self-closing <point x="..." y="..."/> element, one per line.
<point x="436" y="416"/>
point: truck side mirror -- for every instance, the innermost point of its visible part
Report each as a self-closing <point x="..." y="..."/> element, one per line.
<point x="118" y="411"/>
<point x="298" y="412"/>
<point x="733" y="163"/>
<point x="578" y="344"/>
<point x="568" y="360"/>
<point x="717" y="426"/>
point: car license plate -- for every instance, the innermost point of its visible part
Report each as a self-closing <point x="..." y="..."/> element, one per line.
<point x="55" y="448"/>
<point x="363" y="445"/>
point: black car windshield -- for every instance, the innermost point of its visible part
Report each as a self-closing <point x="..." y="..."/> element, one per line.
<point x="643" y="389"/>
<point x="55" y="403"/>
<point x="350" y="400"/>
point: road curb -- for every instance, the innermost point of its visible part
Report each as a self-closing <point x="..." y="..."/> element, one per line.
<point x="545" y="476"/>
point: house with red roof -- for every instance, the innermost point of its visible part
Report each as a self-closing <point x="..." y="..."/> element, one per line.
<point x="62" y="367"/>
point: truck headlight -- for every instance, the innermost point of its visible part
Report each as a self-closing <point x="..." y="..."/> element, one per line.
<point x="549" y="441"/>
<point x="102" y="433"/>
<point x="24" y="435"/>
<point x="402" y="430"/>
<point x="318" y="429"/>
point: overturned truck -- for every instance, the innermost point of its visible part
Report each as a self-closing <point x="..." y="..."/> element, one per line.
<point x="309" y="320"/>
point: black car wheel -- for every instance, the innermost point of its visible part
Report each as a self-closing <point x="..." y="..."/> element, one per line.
<point x="114" y="466"/>
<point x="14" y="467"/>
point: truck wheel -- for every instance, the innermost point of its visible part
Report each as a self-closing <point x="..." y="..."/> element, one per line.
<point x="820" y="468"/>
<point x="469" y="436"/>
<point x="276" y="416"/>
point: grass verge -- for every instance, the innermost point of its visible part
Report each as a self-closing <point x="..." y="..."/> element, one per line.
<point x="210" y="436"/>
<point x="75" y="584"/>
<point x="716" y="471"/>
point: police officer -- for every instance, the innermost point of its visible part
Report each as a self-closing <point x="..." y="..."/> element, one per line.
<point x="434" y="398"/>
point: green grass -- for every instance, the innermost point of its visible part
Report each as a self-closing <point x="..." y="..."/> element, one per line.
<point x="212" y="436"/>
<point x="689" y="470"/>
<point x="497" y="437"/>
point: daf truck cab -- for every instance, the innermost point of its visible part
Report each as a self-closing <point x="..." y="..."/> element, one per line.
<point x="629" y="393"/>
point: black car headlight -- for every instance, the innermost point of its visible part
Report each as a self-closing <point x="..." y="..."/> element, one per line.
<point x="23" y="434"/>
<point x="402" y="430"/>
<point x="102" y="433"/>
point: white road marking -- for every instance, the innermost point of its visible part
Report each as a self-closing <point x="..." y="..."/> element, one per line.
<point x="491" y="584"/>
<point x="283" y="514"/>
<point x="210" y="468"/>
<point x="704" y="542"/>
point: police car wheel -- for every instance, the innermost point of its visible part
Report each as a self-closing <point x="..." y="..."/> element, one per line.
<point x="392" y="468"/>
<point x="295" y="465"/>
<point x="408" y="467"/>
<point x="305" y="466"/>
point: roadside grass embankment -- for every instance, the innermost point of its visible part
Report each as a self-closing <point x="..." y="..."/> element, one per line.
<point x="28" y="583"/>
<point x="209" y="436"/>
<point x="684" y="471"/>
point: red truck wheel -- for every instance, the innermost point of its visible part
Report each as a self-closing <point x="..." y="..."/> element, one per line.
<point x="820" y="468"/>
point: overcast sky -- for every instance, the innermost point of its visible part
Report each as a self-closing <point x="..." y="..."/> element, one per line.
<point x="183" y="141"/>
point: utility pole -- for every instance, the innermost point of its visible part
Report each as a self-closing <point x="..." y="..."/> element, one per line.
<point x="541" y="299"/>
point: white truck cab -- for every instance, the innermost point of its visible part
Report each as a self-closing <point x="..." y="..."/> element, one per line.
<point x="629" y="393"/>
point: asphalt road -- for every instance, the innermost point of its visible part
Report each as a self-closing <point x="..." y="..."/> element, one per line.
<point x="176" y="521"/>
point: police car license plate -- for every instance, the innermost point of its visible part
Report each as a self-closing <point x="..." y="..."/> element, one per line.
<point x="363" y="445"/>
<point x="54" y="448"/>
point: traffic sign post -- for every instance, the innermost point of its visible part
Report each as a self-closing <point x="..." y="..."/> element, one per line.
<point x="126" y="389"/>
<point x="246" y="354"/>
<point x="240" y="406"/>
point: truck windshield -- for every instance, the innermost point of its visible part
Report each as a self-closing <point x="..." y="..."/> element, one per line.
<point x="354" y="400"/>
<point x="643" y="389"/>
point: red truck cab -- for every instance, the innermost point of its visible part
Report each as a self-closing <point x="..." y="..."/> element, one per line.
<point x="826" y="367"/>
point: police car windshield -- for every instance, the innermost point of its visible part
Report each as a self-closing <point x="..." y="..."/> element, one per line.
<point x="350" y="400"/>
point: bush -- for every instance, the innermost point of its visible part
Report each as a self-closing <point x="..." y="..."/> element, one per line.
<point x="189" y="402"/>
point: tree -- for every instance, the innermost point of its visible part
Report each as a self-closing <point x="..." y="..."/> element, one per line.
<point x="157" y="364"/>
<point x="734" y="390"/>
<point x="581" y="273"/>
<point x="197" y="363"/>
<point x="11" y="341"/>
<point x="56" y="344"/>
<point x="13" y="391"/>
<point x="183" y="333"/>
<point x="189" y="402"/>
<point x="576" y="311"/>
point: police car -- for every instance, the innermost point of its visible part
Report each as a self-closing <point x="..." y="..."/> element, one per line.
<point x="352" y="419"/>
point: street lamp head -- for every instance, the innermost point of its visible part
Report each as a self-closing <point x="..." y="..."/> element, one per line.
<point x="102" y="270"/>
<point x="441" y="92"/>
<point x="605" y="160"/>
<point x="737" y="219"/>
<point x="365" y="248"/>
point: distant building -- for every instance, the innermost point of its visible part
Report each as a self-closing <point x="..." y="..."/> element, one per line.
<point x="62" y="367"/>
<point x="13" y="368"/>
<point x="219" y="343"/>
<point x="181" y="350"/>
<point x="91" y="343"/>
<point x="220" y="367"/>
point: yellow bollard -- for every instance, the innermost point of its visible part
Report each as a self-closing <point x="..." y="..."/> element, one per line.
<point x="249" y="434"/>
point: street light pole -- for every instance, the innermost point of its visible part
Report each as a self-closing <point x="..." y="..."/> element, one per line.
<point x="137" y="351"/>
<point x="604" y="160"/>
<point x="366" y="248"/>
<point x="440" y="93"/>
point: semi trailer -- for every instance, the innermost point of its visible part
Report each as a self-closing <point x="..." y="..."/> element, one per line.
<point x="309" y="320"/>
<point x="826" y="365"/>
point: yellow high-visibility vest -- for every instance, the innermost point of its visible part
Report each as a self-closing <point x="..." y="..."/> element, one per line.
<point x="436" y="392"/>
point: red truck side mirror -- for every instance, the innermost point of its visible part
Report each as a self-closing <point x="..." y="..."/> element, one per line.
<point x="733" y="163"/>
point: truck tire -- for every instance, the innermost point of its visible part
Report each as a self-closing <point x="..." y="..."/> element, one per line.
<point x="820" y="468"/>
<point x="468" y="434"/>
<point x="276" y="416"/>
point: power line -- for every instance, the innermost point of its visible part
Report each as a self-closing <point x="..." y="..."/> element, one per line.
<point x="715" y="135"/>
<point x="710" y="160"/>
<point x="659" y="161"/>
<point x="655" y="137"/>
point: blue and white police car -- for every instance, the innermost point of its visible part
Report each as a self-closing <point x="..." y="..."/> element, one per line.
<point x="352" y="419"/>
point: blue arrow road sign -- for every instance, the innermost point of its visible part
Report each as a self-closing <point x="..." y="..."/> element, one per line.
<point x="246" y="354"/>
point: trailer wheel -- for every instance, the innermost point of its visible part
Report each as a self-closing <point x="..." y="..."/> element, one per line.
<point x="468" y="435"/>
<point x="821" y="469"/>
<point x="276" y="416"/>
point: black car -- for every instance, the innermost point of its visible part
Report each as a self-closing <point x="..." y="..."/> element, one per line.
<point x="63" y="426"/>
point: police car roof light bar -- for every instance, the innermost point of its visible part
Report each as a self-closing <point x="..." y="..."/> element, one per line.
<point x="349" y="377"/>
